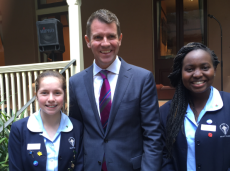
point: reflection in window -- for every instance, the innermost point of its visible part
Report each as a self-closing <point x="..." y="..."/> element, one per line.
<point x="176" y="22"/>
<point x="192" y="25"/>
<point x="167" y="29"/>
<point x="193" y="21"/>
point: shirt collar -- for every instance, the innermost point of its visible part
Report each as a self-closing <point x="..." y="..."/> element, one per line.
<point x="114" y="67"/>
<point x="214" y="101"/>
<point x="35" y="123"/>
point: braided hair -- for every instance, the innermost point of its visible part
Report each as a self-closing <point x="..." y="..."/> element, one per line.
<point x="181" y="98"/>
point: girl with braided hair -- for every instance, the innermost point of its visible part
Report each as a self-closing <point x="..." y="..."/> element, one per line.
<point x="196" y="121"/>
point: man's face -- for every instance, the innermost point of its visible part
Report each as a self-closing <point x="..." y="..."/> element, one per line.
<point x="104" y="42"/>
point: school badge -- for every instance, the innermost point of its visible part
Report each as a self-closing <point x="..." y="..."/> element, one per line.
<point x="224" y="128"/>
<point x="72" y="142"/>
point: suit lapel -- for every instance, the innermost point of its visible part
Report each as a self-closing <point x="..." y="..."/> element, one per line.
<point x="121" y="87"/>
<point x="88" y="80"/>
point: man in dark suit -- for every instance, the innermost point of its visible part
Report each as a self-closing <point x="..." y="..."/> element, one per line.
<point x="117" y="104"/>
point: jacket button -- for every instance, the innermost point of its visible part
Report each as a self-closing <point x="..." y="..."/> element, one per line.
<point x="60" y="158"/>
<point x="99" y="162"/>
<point x="199" y="166"/>
<point x="106" y="140"/>
<point x="198" y="142"/>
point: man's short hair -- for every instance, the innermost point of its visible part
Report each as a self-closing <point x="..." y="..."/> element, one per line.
<point x="104" y="16"/>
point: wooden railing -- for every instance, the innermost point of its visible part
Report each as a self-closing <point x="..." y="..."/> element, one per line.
<point x="17" y="84"/>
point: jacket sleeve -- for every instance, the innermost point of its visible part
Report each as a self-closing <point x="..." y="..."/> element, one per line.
<point x="167" y="163"/>
<point x="74" y="110"/>
<point x="150" y="121"/>
<point x="14" y="149"/>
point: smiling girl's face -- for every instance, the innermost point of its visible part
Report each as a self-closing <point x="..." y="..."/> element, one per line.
<point x="198" y="72"/>
<point x="50" y="95"/>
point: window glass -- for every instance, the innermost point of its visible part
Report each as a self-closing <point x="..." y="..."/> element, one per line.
<point x="167" y="25"/>
<point x="167" y="29"/>
<point x="193" y="21"/>
<point x="177" y="22"/>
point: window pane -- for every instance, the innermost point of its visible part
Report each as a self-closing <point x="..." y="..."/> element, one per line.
<point x="167" y="29"/>
<point x="193" y="21"/>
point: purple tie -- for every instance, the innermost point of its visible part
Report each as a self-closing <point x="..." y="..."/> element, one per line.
<point x="105" y="104"/>
<point x="105" y="99"/>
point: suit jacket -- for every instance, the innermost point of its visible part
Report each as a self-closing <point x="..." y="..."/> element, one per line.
<point x="211" y="153"/>
<point x="20" y="160"/>
<point x="132" y="138"/>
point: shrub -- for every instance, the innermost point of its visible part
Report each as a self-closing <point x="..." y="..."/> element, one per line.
<point x="4" y="138"/>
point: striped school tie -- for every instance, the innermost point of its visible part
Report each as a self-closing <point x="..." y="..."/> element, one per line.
<point x="105" y="99"/>
<point x="105" y="104"/>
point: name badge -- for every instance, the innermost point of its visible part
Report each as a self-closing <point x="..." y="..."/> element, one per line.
<point x="34" y="146"/>
<point x="208" y="127"/>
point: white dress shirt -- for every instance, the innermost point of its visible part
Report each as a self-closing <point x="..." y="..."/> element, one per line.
<point x="112" y="77"/>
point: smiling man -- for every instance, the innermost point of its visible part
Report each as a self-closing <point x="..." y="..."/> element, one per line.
<point x="117" y="104"/>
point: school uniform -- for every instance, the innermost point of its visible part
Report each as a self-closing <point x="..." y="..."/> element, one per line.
<point x="30" y="148"/>
<point x="210" y="148"/>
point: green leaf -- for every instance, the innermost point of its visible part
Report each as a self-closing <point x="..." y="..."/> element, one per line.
<point x="14" y="118"/>
<point x="7" y="132"/>
<point x="7" y="156"/>
<point x="4" y="117"/>
<point x="2" y="140"/>
<point x="22" y="114"/>
<point x="2" y="162"/>
<point x="1" y="122"/>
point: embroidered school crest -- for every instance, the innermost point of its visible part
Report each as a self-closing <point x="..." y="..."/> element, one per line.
<point x="224" y="128"/>
<point x="71" y="141"/>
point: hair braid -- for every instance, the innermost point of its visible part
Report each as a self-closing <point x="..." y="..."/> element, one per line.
<point x="181" y="99"/>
